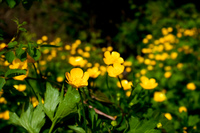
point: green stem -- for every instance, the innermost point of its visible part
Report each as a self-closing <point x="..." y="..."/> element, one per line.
<point x="107" y="81"/>
<point x="120" y="81"/>
<point x="32" y="90"/>
<point x="83" y="110"/>
<point x="38" y="76"/>
<point x="52" y="126"/>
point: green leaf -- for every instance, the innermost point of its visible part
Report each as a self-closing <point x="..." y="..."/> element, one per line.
<point x="2" y="52"/>
<point x="51" y="99"/>
<point x="11" y="3"/>
<point x="77" y="129"/>
<point x="2" y="82"/>
<point x="15" y="72"/>
<point x="12" y="44"/>
<point x="32" y="119"/>
<point x="68" y="104"/>
<point x="193" y="120"/>
<point x="23" y="29"/>
<point x="20" y="53"/>
<point x="10" y="56"/>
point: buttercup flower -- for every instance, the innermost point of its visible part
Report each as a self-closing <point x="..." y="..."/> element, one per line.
<point x="191" y="86"/>
<point x="77" y="61"/>
<point x="168" y="116"/>
<point x="20" y="87"/>
<point x="159" y="96"/>
<point x="76" y="78"/>
<point x="125" y="84"/>
<point x="115" y="70"/>
<point x="93" y="72"/>
<point x="147" y="83"/>
<point x="167" y="74"/>
<point x="5" y="115"/>
<point x="112" y="58"/>
<point x="182" y="108"/>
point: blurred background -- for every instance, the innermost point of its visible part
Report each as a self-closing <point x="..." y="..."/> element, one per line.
<point x="120" y="24"/>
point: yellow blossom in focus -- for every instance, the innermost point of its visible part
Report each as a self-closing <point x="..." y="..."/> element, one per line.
<point x="159" y="96"/>
<point x="174" y="55"/>
<point x="182" y="108"/>
<point x="115" y="70"/>
<point x="167" y="74"/>
<point x="44" y="38"/>
<point x="125" y="84"/>
<point x="59" y="79"/>
<point x="93" y="72"/>
<point x="147" y="83"/>
<point x="168" y="116"/>
<point x="76" y="78"/>
<point x="20" y="87"/>
<point x="112" y="58"/>
<point x="191" y="86"/>
<point x="77" y="61"/>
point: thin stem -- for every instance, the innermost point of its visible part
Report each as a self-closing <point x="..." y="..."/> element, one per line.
<point x="120" y="81"/>
<point x="83" y="110"/>
<point x="33" y="91"/>
<point x="38" y="76"/>
<point x="107" y="81"/>
<point x="52" y="126"/>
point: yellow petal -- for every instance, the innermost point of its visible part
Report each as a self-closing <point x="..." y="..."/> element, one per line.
<point x="76" y="73"/>
<point x="115" y="54"/>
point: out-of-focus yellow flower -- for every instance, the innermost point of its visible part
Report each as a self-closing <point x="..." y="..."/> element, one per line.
<point x="182" y="108"/>
<point x="156" y="42"/>
<point x="34" y="101"/>
<point x="86" y="54"/>
<point x="104" y="49"/>
<point x="45" y="51"/>
<point x="143" y="71"/>
<point x="109" y="48"/>
<point x="5" y="115"/>
<point x="153" y="62"/>
<point x="159" y="125"/>
<point x="80" y="51"/>
<point x="145" y="40"/>
<point x="147" y="83"/>
<point x="168" y="116"/>
<point x="140" y="59"/>
<point x="149" y="67"/>
<point x="168" y="46"/>
<point x="128" y="69"/>
<point x="78" y="42"/>
<point x="6" y="63"/>
<point x="2" y="45"/>
<point x="112" y="58"/>
<point x="96" y="64"/>
<point x="127" y="63"/>
<point x="67" y="47"/>
<point x="125" y="84"/>
<point x="77" y="61"/>
<point x="103" y="70"/>
<point x="179" y="35"/>
<point x="149" y="36"/>
<point x="167" y="74"/>
<point x="39" y="41"/>
<point x="128" y="93"/>
<point x="174" y="55"/>
<point x="191" y="86"/>
<point x="147" y="61"/>
<point x="164" y="31"/>
<point x="87" y="48"/>
<point x="179" y="65"/>
<point x="59" y="79"/>
<point x="169" y="29"/>
<point x="3" y="100"/>
<point x="18" y="64"/>
<point x="161" y="65"/>
<point x="115" y="70"/>
<point x="151" y="56"/>
<point x="44" y="38"/>
<point x="89" y="64"/>
<point x="168" y="68"/>
<point x="76" y="78"/>
<point x="93" y="72"/>
<point x="159" y="96"/>
<point x="137" y="75"/>
<point x="20" y="87"/>
<point x="146" y="50"/>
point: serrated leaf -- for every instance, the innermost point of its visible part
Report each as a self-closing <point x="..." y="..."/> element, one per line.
<point x="14" y="72"/>
<point x="77" y="129"/>
<point x="68" y="104"/>
<point x="11" y="3"/>
<point x="2" y="82"/>
<point x="51" y="100"/>
<point x="12" y="44"/>
<point x="10" y="56"/>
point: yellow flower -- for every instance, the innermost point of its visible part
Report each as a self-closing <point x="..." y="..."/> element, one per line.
<point x="87" y="48"/>
<point x="76" y="78"/>
<point x="174" y="55"/>
<point x="115" y="70"/>
<point x="112" y="58"/>
<point x="143" y="71"/>
<point x="145" y="40"/>
<point x="191" y="86"/>
<point x="182" y="108"/>
<point x="5" y="115"/>
<point x="93" y="72"/>
<point x="77" y="61"/>
<point x="149" y="36"/>
<point x="3" y="100"/>
<point x="109" y="48"/>
<point x="127" y="63"/>
<point x="20" y="87"/>
<point x="149" y="67"/>
<point x="168" y="116"/>
<point x="128" y="69"/>
<point x="18" y="64"/>
<point x="147" y="83"/>
<point x="167" y="74"/>
<point x="125" y="84"/>
<point x="59" y="79"/>
<point x="44" y="38"/>
<point x="168" y="68"/>
<point x="128" y="93"/>
<point x="103" y="70"/>
<point x="159" y="96"/>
